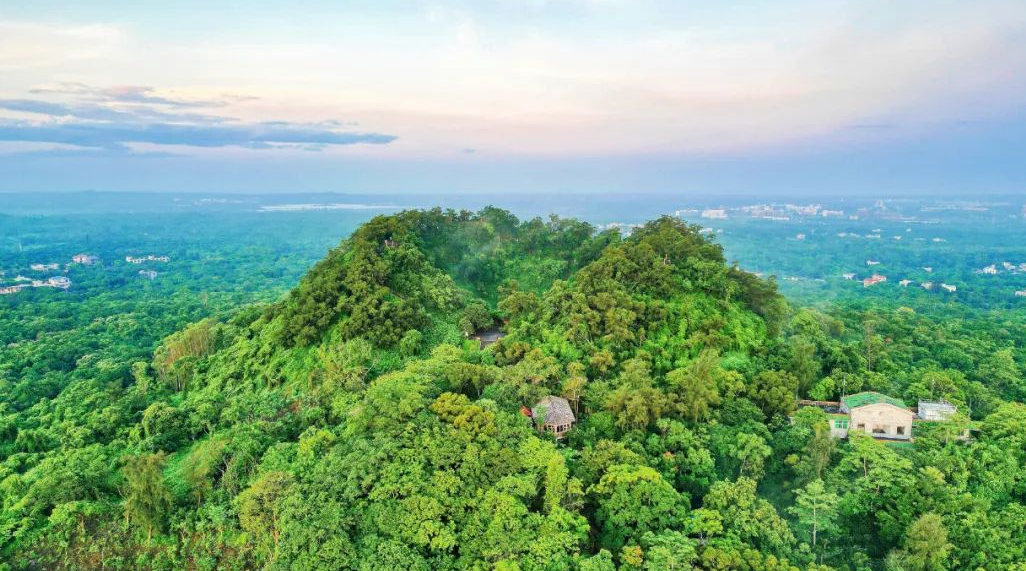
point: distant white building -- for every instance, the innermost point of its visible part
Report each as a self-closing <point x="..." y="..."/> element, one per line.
<point x="58" y="281"/>
<point x="149" y="274"/>
<point x="927" y="269"/>
<point x="990" y="270"/>
<point x="949" y="288"/>
<point x="799" y="236"/>
<point x="873" y="280"/>
<point x="831" y="213"/>
<point x="809" y="210"/>
<point x="621" y="227"/>
<point x="44" y="267"/>
<point x="1020" y="293"/>
<point x="150" y="258"/>
<point x="848" y="276"/>
<point x="927" y="285"/>
<point x="714" y="213"/>
<point x="764" y="211"/>
<point x="905" y="283"/>
<point x="872" y="263"/>
<point x="935" y="410"/>
<point x="85" y="259"/>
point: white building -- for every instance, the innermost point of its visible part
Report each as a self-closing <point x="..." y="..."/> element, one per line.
<point x="949" y="288"/>
<point x="714" y="213"/>
<point x="150" y="258"/>
<point x="873" y="280"/>
<point x="58" y="281"/>
<point x="935" y="410"/>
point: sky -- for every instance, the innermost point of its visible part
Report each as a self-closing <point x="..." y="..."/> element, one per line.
<point x="501" y="96"/>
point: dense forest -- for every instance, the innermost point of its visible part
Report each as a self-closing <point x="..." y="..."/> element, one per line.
<point x="355" y="422"/>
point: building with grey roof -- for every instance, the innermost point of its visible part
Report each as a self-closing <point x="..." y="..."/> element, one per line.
<point x="553" y="414"/>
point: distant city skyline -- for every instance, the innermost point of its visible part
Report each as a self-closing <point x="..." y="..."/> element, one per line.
<point x="488" y="96"/>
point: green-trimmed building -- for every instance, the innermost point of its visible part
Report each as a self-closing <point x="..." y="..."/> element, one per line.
<point x="880" y="416"/>
<point x="875" y="414"/>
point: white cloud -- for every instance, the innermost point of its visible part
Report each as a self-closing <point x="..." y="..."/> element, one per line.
<point x="28" y="45"/>
<point x="448" y="78"/>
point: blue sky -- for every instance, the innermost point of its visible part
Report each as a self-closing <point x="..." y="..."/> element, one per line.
<point x="579" y="96"/>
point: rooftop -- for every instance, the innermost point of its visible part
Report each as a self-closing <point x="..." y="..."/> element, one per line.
<point x="488" y="336"/>
<point x="869" y="397"/>
<point x="557" y="411"/>
<point x="935" y="409"/>
<point x="829" y="407"/>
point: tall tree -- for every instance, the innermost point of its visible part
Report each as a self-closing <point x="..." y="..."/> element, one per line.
<point x="926" y="546"/>
<point x="751" y="451"/>
<point x="147" y="499"/>
<point x="633" y="500"/>
<point x="818" y="451"/>
<point x="694" y="387"/>
<point x="816" y="510"/>
<point x="260" y="507"/>
<point x="747" y="518"/>
<point x="774" y="392"/>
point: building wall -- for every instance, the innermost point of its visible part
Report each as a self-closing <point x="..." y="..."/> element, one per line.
<point x="839" y="427"/>
<point x="883" y="421"/>
<point x="935" y="414"/>
<point x="559" y="431"/>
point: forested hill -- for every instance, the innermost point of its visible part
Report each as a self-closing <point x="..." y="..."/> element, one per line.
<point x="358" y="424"/>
